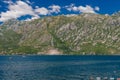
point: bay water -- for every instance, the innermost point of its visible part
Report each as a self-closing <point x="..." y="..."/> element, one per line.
<point x="59" y="67"/>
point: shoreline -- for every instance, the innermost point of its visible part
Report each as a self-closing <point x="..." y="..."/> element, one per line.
<point x="58" y="55"/>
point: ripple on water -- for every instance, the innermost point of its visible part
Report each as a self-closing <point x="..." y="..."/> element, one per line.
<point x="54" y="70"/>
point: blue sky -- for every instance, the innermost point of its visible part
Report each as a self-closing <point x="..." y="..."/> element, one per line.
<point x="34" y="9"/>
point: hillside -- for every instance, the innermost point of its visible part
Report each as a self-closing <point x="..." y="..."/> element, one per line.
<point x="80" y="34"/>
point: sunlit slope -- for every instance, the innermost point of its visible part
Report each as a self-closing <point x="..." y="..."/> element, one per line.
<point x="81" y="34"/>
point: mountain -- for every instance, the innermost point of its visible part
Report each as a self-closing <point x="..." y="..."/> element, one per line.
<point x="72" y="34"/>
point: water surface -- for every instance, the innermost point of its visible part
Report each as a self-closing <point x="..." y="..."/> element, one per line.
<point x="58" y="67"/>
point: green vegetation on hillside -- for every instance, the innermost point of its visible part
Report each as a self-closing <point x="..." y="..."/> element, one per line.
<point x="82" y="34"/>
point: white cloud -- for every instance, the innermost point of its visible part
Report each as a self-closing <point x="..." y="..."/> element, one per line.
<point x="71" y="7"/>
<point x="97" y="8"/>
<point x="17" y="10"/>
<point x="22" y="8"/>
<point x="45" y="11"/>
<point x="55" y="9"/>
<point x="36" y="7"/>
<point x="33" y="18"/>
<point x="8" y="1"/>
<point x="28" y="1"/>
<point x="42" y="11"/>
<point x="86" y="9"/>
<point x="70" y="15"/>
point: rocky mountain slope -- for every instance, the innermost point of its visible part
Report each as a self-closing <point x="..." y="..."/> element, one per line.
<point x="80" y="34"/>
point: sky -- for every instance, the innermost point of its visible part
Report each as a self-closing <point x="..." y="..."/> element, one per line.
<point x="33" y="9"/>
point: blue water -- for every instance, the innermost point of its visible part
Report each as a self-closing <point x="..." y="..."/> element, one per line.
<point x="58" y="67"/>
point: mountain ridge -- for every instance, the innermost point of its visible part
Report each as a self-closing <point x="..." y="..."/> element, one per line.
<point x="79" y="34"/>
